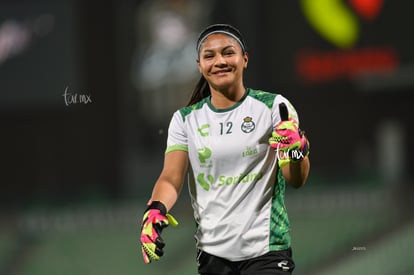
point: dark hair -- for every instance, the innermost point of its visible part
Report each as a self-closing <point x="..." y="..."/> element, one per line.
<point x="221" y="28"/>
<point x="202" y="89"/>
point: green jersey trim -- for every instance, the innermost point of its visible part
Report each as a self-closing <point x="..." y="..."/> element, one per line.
<point x="279" y="223"/>
<point x="176" y="148"/>
<point x="214" y="109"/>
<point x="264" y="97"/>
<point x="187" y="110"/>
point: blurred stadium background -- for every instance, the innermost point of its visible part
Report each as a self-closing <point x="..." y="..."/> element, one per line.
<point x="87" y="90"/>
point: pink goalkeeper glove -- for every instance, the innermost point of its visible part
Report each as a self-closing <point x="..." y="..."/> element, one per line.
<point x="288" y="140"/>
<point x="154" y="221"/>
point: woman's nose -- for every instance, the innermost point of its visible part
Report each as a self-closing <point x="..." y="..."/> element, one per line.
<point x="220" y="60"/>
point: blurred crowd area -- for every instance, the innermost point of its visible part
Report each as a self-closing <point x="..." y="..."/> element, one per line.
<point x="87" y="91"/>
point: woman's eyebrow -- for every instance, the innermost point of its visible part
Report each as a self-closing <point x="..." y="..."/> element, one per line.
<point x="223" y="49"/>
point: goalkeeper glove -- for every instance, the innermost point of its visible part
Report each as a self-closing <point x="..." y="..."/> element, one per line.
<point x="289" y="141"/>
<point x="154" y="221"/>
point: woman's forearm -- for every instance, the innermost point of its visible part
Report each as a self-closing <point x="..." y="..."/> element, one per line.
<point x="296" y="173"/>
<point x="165" y="192"/>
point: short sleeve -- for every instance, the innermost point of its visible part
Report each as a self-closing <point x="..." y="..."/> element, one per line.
<point x="275" y="109"/>
<point x="177" y="134"/>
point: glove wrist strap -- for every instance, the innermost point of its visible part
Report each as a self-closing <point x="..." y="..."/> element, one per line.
<point x="157" y="205"/>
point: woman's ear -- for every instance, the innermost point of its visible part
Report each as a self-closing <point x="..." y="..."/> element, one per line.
<point x="246" y="59"/>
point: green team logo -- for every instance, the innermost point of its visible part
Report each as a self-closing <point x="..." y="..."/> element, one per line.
<point x="204" y="154"/>
<point x="203" y="130"/>
<point x="239" y="179"/>
<point x="248" y="125"/>
<point x="250" y="151"/>
<point x="205" y="181"/>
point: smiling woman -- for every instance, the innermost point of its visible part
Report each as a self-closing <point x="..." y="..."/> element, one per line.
<point x="223" y="57"/>
<point x="222" y="60"/>
<point x="226" y="134"/>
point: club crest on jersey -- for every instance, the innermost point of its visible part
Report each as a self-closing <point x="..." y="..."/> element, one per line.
<point x="248" y="125"/>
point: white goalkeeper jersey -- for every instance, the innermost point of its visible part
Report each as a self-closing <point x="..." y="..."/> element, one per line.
<point x="236" y="190"/>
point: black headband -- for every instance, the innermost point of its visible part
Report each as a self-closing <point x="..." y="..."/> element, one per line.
<point x="221" y="28"/>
